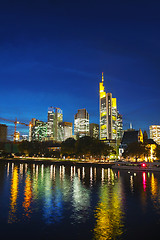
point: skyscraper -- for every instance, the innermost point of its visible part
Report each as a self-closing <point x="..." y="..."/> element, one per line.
<point x="108" y="114"/>
<point x="65" y="129"/>
<point x="37" y="130"/>
<point x="55" y="116"/>
<point x="81" y="123"/>
<point x="154" y="131"/>
<point x="119" y="126"/>
<point x="103" y="110"/>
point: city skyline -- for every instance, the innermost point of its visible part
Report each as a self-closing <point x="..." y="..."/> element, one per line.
<point x="52" y="54"/>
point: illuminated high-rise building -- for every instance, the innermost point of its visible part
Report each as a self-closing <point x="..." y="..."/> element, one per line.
<point x="50" y="122"/>
<point x="114" y="118"/>
<point x="154" y="131"/>
<point x="38" y="130"/>
<point x="108" y="114"/>
<point x="119" y="126"/>
<point x="31" y="125"/>
<point x="94" y="130"/>
<point x="81" y="123"/>
<point x="65" y="129"/>
<point x="55" y="116"/>
<point x="103" y="110"/>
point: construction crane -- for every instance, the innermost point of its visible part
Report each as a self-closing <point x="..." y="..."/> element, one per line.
<point x="15" y="125"/>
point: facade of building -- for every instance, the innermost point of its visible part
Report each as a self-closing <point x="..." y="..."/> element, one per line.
<point x="103" y="110"/>
<point x="55" y="116"/>
<point x="65" y="129"/>
<point x="130" y="136"/>
<point x="38" y="130"/>
<point x="151" y="145"/>
<point x="119" y="126"/>
<point x="24" y="137"/>
<point x="154" y="131"/>
<point x="3" y="133"/>
<point x="94" y="130"/>
<point x="110" y="121"/>
<point x="81" y="123"/>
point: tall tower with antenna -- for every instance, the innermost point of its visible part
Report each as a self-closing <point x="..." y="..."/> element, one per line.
<point x="108" y="114"/>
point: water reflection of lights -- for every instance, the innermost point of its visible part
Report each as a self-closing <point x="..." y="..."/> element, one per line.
<point x="37" y="171"/>
<point x="39" y="186"/>
<point x="83" y="172"/>
<point x="131" y="183"/>
<point x="33" y="168"/>
<point x="63" y="171"/>
<point x="109" y="175"/>
<point x="154" y="186"/>
<point x="91" y="175"/>
<point x="42" y="170"/>
<point x="21" y="170"/>
<point x="27" y="195"/>
<point x="108" y="213"/>
<point x="81" y="201"/>
<point x="79" y="173"/>
<point x="60" y="172"/>
<point x="7" y="169"/>
<point x="143" y="193"/>
<point x="12" y="167"/>
<point x="26" y="166"/>
<point x="14" y="194"/>
<point x="102" y="176"/>
<point x="54" y="172"/>
<point x="144" y="181"/>
<point x="51" y="172"/>
<point x="71" y="173"/>
<point x="95" y="173"/>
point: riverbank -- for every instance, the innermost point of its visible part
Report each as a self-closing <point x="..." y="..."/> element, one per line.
<point x="75" y="162"/>
<point x="143" y="166"/>
<point x="129" y="166"/>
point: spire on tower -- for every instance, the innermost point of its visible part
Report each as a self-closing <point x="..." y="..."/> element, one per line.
<point x="102" y="77"/>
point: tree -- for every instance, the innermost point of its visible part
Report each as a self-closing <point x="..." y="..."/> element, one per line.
<point x="84" y="146"/>
<point x="92" y="147"/>
<point x="68" y="146"/>
<point x="136" y="150"/>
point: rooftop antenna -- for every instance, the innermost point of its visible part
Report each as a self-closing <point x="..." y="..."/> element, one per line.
<point x="102" y="77"/>
<point x="131" y="126"/>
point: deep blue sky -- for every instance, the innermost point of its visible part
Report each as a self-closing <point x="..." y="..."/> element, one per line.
<point x="52" y="53"/>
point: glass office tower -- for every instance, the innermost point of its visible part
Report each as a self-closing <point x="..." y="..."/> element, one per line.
<point x="81" y="123"/>
<point x="55" y="116"/>
<point x="109" y="118"/>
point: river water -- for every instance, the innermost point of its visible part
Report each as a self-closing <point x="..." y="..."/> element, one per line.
<point x="44" y="201"/>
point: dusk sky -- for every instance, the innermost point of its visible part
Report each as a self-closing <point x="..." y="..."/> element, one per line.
<point x="52" y="53"/>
